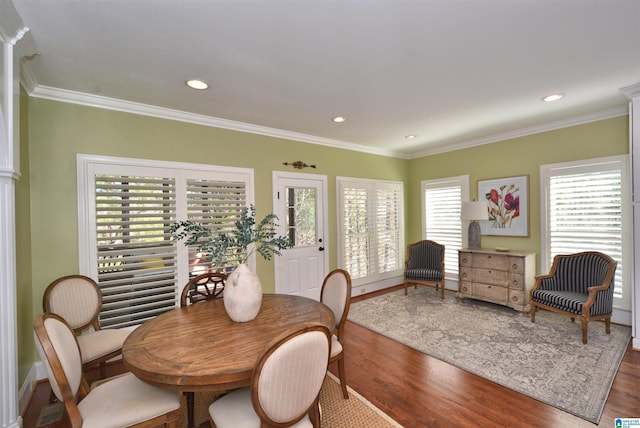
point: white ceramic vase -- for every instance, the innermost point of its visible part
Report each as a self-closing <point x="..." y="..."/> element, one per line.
<point x="242" y="294"/>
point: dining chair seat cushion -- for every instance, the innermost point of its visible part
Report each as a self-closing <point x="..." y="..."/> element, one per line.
<point x="125" y="401"/>
<point x="235" y="410"/>
<point x="336" y="346"/>
<point x="102" y="342"/>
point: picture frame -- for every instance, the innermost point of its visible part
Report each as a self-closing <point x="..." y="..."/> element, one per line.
<point x="507" y="204"/>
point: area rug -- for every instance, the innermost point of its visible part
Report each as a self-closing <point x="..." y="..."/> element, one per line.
<point x="545" y="360"/>
<point x="336" y="411"/>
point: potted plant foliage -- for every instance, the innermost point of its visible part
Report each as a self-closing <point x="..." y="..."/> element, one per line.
<point x="243" y="291"/>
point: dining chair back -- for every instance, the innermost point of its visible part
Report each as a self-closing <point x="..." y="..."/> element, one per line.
<point x="122" y="402"/>
<point x="209" y="285"/>
<point x="336" y="294"/>
<point x="78" y="300"/>
<point x="285" y="384"/>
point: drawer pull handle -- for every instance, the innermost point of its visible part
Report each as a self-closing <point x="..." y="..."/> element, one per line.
<point x="464" y="260"/>
<point x="514" y="266"/>
<point x="490" y="272"/>
<point x="464" y="275"/>
<point x="489" y="257"/>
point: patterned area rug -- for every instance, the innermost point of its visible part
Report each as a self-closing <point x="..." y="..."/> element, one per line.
<point x="545" y="360"/>
<point x="336" y="411"/>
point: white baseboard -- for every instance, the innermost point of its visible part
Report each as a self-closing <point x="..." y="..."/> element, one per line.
<point x="36" y="373"/>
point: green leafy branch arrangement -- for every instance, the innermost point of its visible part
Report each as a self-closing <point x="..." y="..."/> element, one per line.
<point x="221" y="247"/>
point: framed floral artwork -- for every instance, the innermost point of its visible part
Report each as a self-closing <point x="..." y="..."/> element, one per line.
<point x="507" y="205"/>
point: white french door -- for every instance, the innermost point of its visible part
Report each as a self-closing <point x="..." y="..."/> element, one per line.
<point x="300" y="203"/>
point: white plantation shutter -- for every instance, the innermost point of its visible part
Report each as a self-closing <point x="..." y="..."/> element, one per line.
<point x="442" y="200"/>
<point x="217" y="205"/>
<point x="388" y="227"/>
<point x="586" y="209"/>
<point x="356" y="231"/>
<point x="126" y="210"/>
<point x="371" y="229"/>
<point x="136" y="259"/>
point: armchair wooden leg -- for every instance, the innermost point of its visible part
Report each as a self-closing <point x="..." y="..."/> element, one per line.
<point x="405" y="288"/>
<point x="584" y="330"/>
<point x="607" y="323"/>
<point x="533" y="312"/>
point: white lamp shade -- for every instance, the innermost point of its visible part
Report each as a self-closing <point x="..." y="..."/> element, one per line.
<point x="476" y="210"/>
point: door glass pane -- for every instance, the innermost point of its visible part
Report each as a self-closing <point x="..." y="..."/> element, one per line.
<point x="301" y="216"/>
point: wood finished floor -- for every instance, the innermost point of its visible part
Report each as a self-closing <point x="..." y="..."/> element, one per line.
<point x="420" y="391"/>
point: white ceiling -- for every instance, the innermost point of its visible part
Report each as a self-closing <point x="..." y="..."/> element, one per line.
<point x="451" y="72"/>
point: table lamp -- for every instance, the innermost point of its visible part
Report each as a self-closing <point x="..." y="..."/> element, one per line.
<point x="474" y="211"/>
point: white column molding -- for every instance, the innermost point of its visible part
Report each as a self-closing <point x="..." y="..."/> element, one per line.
<point x="11" y="31"/>
<point x="633" y="93"/>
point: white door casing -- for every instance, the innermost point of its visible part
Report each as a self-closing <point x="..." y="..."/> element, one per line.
<point x="300" y="202"/>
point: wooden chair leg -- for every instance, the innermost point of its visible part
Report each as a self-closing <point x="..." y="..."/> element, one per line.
<point x="607" y="323"/>
<point x="405" y="288"/>
<point x="533" y="312"/>
<point x="584" y="330"/>
<point x="314" y="414"/>
<point x="343" y="378"/>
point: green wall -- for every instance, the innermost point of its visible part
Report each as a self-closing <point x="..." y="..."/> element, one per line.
<point x="24" y="289"/>
<point x="516" y="157"/>
<point x="57" y="132"/>
<point x="54" y="133"/>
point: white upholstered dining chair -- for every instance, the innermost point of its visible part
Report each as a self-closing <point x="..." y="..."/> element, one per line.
<point x="78" y="300"/>
<point x="336" y="293"/>
<point x="124" y="401"/>
<point x="285" y="384"/>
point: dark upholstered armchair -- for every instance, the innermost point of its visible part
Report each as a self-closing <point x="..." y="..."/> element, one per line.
<point x="425" y="265"/>
<point x="578" y="285"/>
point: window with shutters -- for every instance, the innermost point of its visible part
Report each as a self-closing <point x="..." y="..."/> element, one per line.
<point x="586" y="206"/>
<point x="441" y="202"/>
<point x="371" y="228"/>
<point x="126" y="209"/>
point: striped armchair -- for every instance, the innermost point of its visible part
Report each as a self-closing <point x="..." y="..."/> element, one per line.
<point x="425" y="265"/>
<point x="579" y="286"/>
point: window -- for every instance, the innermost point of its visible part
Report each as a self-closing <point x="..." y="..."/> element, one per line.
<point x="586" y="207"/>
<point x="126" y="209"/>
<point x="371" y="228"/>
<point x="441" y="201"/>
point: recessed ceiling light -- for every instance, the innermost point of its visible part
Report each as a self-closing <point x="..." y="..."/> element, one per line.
<point x="339" y="119"/>
<point x="197" y="84"/>
<point x="410" y="137"/>
<point x="552" y="97"/>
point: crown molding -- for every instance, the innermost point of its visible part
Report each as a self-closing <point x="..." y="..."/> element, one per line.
<point x="97" y="101"/>
<point x="523" y="132"/>
<point x="11" y="27"/>
<point x="631" y="91"/>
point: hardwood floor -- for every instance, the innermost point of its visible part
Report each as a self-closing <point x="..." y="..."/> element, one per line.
<point x="420" y="391"/>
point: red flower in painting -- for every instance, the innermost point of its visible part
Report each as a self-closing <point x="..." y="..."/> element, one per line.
<point x="512" y="204"/>
<point x="504" y="205"/>
<point x="494" y="196"/>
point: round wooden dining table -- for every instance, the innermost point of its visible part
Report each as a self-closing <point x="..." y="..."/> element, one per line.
<point x="199" y="348"/>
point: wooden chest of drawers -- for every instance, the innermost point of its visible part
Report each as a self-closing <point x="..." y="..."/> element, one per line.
<point x="504" y="278"/>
